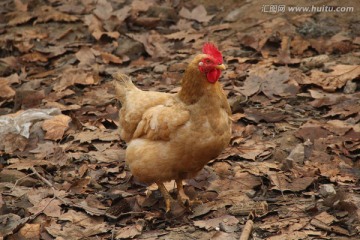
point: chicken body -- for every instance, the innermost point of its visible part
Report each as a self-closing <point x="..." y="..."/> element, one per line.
<point x="172" y="136"/>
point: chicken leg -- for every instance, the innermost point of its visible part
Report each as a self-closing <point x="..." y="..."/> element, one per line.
<point x="166" y="195"/>
<point x="182" y="197"/>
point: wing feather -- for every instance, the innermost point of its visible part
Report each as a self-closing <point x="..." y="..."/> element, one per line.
<point x="160" y="121"/>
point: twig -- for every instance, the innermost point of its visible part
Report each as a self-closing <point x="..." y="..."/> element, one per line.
<point x="319" y="224"/>
<point x="280" y="188"/>
<point x="42" y="178"/>
<point x="113" y="233"/>
<point x="247" y="230"/>
<point x="17" y="181"/>
<point x="42" y="210"/>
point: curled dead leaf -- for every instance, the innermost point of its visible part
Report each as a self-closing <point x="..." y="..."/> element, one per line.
<point x="56" y="126"/>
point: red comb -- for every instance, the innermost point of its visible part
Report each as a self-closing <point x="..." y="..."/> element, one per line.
<point x="211" y="50"/>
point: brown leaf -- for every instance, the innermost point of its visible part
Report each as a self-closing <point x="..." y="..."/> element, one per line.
<point x="108" y="156"/>
<point x="20" y="6"/>
<point x="325" y="218"/>
<point x="25" y="165"/>
<point x="81" y="218"/>
<point x="97" y="97"/>
<point x="128" y="232"/>
<point x="88" y="136"/>
<point x="153" y="43"/>
<point x="49" y="206"/>
<point x="273" y="83"/>
<point x="283" y="183"/>
<point x="335" y="79"/>
<point x="94" y="24"/>
<point x="123" y="13"/>
<point x="80" y="186"/>
<point x="338" y="127"/>
<point x="110" y="58"/>
<point x="284" y="56"/>
<point x="20" y="18"/>
<point x="73" y="231"/>
<point x="103" y="9"/>
<point x="299" y="45"/>
<point x="48" y="13"/>
<point x="73" y="76"/>
<point x="312" y="130"/>
<point x="244" y="182"/>
<point x="34" y="57"/>
<point x="258" y="116"/>
<point x="6" y="91"/>
<point x="96" y="28"/>
<point x="86" y="56"/>
<point x="30" y="231"/>
<point x="56" y="126"/>
<point x="141" y="6"/>
<point x="198" y="14"/>
<point x="13" y="142"/>
<point x="9" y="223"/>
<point x="216" y="223"/>
<point x="186" y="36"/>
<point x="10" y="175"/>
<point x="343" y="102"/>
<point x="293" y="235"/>
<point x="251" y="149"/>
<point x="25" y="99"/>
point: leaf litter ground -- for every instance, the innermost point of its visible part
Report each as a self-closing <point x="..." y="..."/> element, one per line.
<point x="292" y="80"/>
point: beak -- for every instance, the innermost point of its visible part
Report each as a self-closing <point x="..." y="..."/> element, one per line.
<point x="220" y="67"/>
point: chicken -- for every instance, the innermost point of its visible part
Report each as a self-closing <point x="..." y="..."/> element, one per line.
<point x="172" y="136"/>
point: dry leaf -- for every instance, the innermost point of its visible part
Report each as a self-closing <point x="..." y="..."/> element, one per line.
<point x="186" y="36"/>
<point x="34" y="57"/>
<point x="5" y="90"/>
<point x="30" y="231"/>
<point x="216" y="223"/>
<point x="110" y="58"/>
<point x="152" y="42"/>
<point x="73" y="76"/>
<point x="47" y="13"/>
<point x="273" y="83"/>
<point x="198" y="14"/>
<point x="128" y="232"/>
<point x="56" y="126"/>
<point x="86" y="56"/>
<point x="103" y="9"/>
<point x="49" y="206"/>
<point x="335" y="79"/>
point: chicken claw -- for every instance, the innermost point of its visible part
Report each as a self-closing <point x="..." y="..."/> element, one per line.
<point x="166" y="196"/>
<point x="182" y="197"/>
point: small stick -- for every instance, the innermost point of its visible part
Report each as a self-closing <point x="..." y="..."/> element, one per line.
<point x="247" y="230"/>
<point x="41" y="177"/>
<point x="19" y="180"/>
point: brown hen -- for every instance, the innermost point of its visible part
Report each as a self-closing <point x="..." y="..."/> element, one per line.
<point x="172" y="136"/>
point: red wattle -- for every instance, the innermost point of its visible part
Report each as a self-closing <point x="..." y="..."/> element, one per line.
<point x="213" y="75"/>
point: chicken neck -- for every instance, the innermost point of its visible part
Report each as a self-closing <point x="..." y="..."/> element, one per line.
<point x="195" y="85"/>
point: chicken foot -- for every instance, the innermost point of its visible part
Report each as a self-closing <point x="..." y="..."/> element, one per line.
<point x="184" y="199"/>
<point x="166" y="195"/>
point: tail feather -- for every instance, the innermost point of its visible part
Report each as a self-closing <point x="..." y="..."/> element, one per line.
<point x="122" y="85"/>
